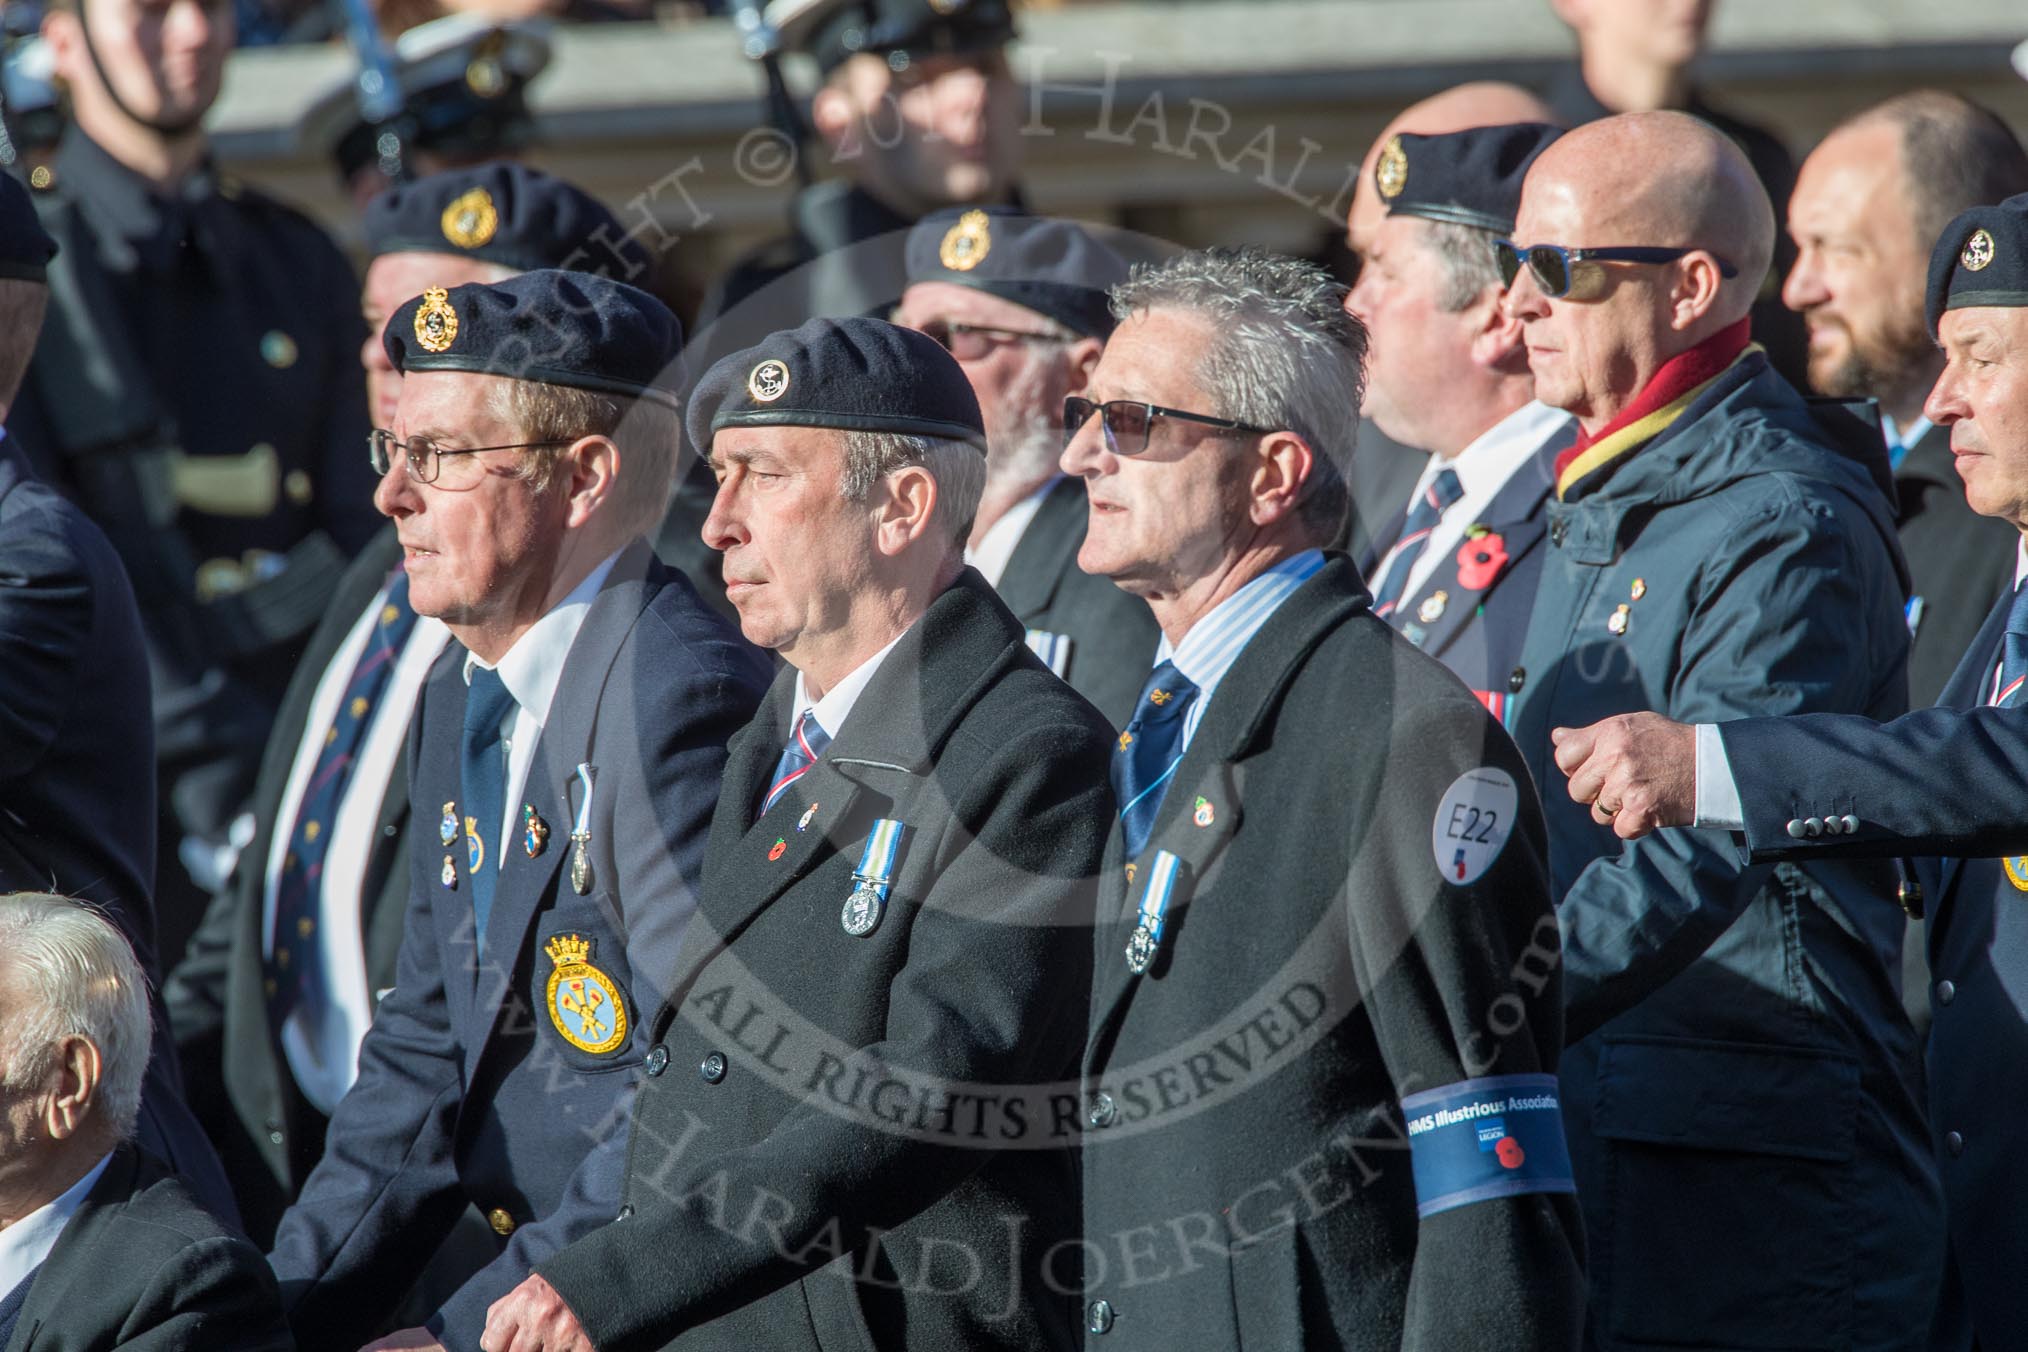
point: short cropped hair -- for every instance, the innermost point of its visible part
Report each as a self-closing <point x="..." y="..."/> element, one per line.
<point x="958" y="468"/>
<point x="79" y="978"/>
<point x="647" y="432"/>
<point x="1954" y="154"/>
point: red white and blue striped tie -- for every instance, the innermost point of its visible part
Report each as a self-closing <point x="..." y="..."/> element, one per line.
<point x="2008" y="687"/>
<point x="797" y="757"/>
<point x="1442" y="491"/>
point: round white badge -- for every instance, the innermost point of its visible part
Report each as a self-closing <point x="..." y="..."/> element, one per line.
<point x="1472" y="824"/>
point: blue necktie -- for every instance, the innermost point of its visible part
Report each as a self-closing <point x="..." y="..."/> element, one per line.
<point x="805" y="746"/>
<point x="482" y="783"/>
<point x="2014" y="652"/>
<point x="1430" y="504"/>
<point x="293" y="973"/>
<point x="1149" y="751"/>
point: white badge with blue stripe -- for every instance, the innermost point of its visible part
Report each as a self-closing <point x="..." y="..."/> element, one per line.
<point x="1053" y="649"/>
<point x="1146" y="940"/>
<point x="873" y="879"/>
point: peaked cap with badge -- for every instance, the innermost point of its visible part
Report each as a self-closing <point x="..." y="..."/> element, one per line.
<point x="503" y="213"/>
<point x="562" y="328"/>
<point x="1470" y="177"/>
<point x="1980" y="259"/>
<point x="1055" y="268"/>
<point x="832" y="31"/>
<point x="855" y="375"/>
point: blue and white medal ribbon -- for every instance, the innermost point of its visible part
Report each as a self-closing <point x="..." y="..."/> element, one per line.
<point x="1147" y="937"/>
<point x="580" y="834"/>
<point x="1052" y="648"/>
<point x="873" y="879"/>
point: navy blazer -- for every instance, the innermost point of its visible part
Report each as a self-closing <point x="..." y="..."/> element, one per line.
<point x="470" y="1089"/>
<point x="77" y="759"/>
<point x="1789" y="770"/>
<point x="1473" y="617"/>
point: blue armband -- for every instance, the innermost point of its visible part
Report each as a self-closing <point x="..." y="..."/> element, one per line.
<point x="1492" y="1137"/>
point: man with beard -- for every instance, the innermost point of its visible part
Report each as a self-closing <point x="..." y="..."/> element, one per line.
<point x="1020" y="301"/>
<point x="1869" y="202"/>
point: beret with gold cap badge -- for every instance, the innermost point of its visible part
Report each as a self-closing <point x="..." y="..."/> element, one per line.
<point x="1470" y="177"/>
<point x="1055" y="268"/>
<point x="856" y="375"/>
<point x="1980" y="259"/>
<point x="503" y="213"/>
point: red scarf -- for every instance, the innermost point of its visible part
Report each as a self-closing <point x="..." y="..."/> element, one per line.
<point x="1660" y="403"/>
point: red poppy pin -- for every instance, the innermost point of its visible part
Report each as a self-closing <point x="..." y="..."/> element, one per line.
<point x="1480" y="560"/>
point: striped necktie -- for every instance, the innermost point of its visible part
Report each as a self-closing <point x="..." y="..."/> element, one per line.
<point x="294" y="974"/>
<point x="1149" y="751"/>
<point x="798" y="756"/>
<point x="1430" y="504"/>
<point x="2014" y="654"/>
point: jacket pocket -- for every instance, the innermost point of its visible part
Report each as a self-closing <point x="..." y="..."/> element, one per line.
<point x="1267" y="1306"/>
<point x="1728" y="1174"/>
<point x="580" y="986"/>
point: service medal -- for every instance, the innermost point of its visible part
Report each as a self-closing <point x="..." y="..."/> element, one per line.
<point x="580" y="834"/>
<point x="1140" y="950"/>
<point x="862" y="912"/>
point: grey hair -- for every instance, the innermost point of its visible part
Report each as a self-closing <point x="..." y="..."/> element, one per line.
<point x="79" y="978"/>
<point x="646" y="430"/>
<point x="958" y="467"/>
<point x="1465" y="266"/>
<point x="1284" y="354"/>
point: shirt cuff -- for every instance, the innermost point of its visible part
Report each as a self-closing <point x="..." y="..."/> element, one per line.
<point x="1718" y="804"/>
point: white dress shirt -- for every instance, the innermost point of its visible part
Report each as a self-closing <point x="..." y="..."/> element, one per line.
<point x="1215" y="642"/>
<point x="996" y="547"/>
<point x="530" y="670"/>
<point x="1718" y="803"/>
<point x="24" y="1244"/>
<point x="321" y="1039"/>
<point x="1483" y="469"/>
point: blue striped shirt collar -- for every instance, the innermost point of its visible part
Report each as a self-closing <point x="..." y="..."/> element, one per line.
<point x="1215" y="642"/>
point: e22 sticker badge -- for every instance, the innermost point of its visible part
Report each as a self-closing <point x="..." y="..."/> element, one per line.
<point x="1472" y="824"/>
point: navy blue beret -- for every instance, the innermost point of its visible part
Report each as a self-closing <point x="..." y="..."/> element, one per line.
<point x="834" y="30"/>
<point x="1055" y="268"/>
<point x="857" y="375"/>
<point x="502" y="213"/>
<point x="1980" y="259"/>
<point x="1468" y="177"/>
<point x="25" y="247"/>
<point x="562" y="328"/>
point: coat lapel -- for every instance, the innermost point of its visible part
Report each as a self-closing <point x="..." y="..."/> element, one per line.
<point x="1048" y="547"/>
<point x="55" y="1290"/>
<point x="1517" y="517"/>
<point x="1203" y="808"/>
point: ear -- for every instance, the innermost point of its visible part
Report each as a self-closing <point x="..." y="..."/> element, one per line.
<point x="1080" y="359"/>
<point x="591" y="471"/>
<point x="834" y="116"/>
<point x="1283" y="464"/>
<point x="1496" y="333"/>
<point x="61" y="30"/>
<point x="904" y="513"/>
<point x="76" y="1091"/>
<point x="1695" y="291"/>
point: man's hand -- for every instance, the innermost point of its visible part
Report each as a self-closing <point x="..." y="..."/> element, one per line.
<point x="406" y="1340"/>
<point x="533" y="1318"/>
<point x="1637" y="772"/>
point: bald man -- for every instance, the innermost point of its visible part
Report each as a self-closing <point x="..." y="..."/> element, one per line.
<point x="1741" y="1088"/>
<point x="1385" y="470"/>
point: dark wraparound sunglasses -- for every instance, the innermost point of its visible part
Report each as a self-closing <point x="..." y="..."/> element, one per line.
<point x="1127" y="423"/>
<point x="424" y="457"/>
<point x="1559" y="271"/>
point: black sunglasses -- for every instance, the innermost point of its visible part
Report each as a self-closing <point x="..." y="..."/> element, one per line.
<point x="1127" y="423"/>
<point x="1561" y="272"/>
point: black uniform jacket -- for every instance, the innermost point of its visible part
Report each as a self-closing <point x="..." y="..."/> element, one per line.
<point x="140" y="1266"/>
<point x="1247" y="1176"/>
<point x="846" y="1140"/>
<point x="479" y="1082"/>
<point x="1961" y="563"/>
<point x="240" y="1083"/>
<point x="1099" y="638"/>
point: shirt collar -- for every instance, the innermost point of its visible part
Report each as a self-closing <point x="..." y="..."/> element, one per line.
<point x="1490" y="460"/>
<point x="532" y="667"/>
<point x="24" y="1244"/>
<point x="1215" y="642"/>
<point x="1901" y="439"/>
<point x="836" y="706"/>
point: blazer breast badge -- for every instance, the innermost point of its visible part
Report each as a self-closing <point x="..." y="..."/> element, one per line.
<point x="583" y="1002"/>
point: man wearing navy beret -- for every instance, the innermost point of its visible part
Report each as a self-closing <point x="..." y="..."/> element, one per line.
<point x="265" y="1072"/>
<point x="566" y="754"/>
<point x="1940" y="781"/>
<point x="1448" y="375"/>
<point x="1020" y="301"/>
<point x="850" y="1138"/>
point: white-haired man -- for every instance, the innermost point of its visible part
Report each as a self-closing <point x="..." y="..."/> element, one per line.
<point x="100" y="1245"/>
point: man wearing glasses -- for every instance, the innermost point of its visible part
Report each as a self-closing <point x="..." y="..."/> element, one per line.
<point x="566" y="759"/>
<point x="1739" y="1063"/>
<point x="1319" y="1097"/>
<point x="1020" y="301"/>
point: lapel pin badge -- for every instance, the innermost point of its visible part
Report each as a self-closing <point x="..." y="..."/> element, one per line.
<point x="1202" y="812"/>
<point x="1616" y="623"/>
<point x="534" y="831"/>
<point x="809" y="814"/>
